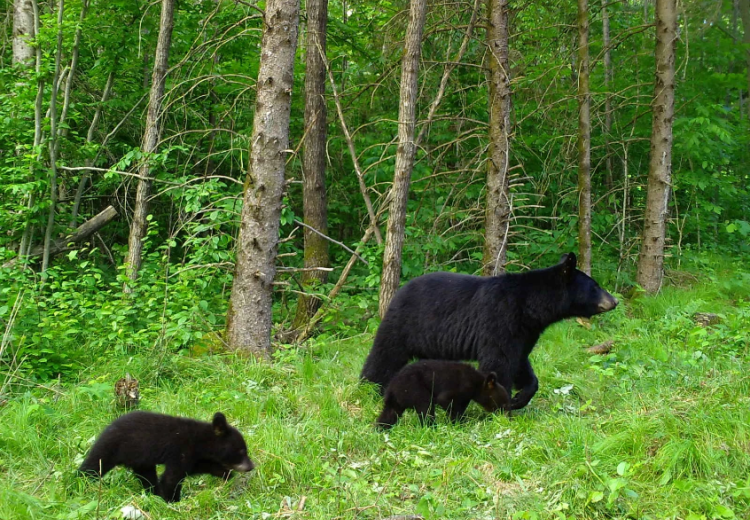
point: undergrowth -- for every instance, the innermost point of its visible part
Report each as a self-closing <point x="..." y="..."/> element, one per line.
<point x="657" y="428"/>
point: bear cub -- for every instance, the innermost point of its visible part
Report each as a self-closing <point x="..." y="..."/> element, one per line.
<point x="141" y="440"/>
<point x="449" y="384"/>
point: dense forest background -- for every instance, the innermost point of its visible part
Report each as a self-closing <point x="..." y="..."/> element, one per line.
<point x="79" y="104"/>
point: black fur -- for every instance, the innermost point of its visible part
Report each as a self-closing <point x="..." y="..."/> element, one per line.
<point x="448" y="384"/>
<point x="141" y="440"/>
<point x="495" y="320"/>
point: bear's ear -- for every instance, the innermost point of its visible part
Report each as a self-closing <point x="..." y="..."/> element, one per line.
<point x="568" y="263"/>
<point x="490" y="380"/>
<point x="220" y="424"/>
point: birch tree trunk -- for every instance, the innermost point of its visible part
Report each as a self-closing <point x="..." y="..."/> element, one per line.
<point x="314" y="161"/>
<point x="584" y="141"/>
<point x="497" y="211"/>
<point x="151" y="137"/>
<point x="394" y="239"/>
<point x="23" y="31"/>
<point x="651" y="260"/>
<point x="25" y="26"/>
<point x="249" y="314"/>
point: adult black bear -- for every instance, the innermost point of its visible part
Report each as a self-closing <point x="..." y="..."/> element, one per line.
<point x="495" y="320"/>
<point x="141" y="440"/>
<point x="448" y="384"/>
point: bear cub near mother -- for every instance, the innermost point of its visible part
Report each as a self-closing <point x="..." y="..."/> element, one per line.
<point x="141" y="440"/>
<point x="448" y="384"/>
<point x="495" y="320"/>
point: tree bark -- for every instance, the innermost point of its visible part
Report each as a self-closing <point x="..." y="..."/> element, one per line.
<point x="249" y="315"/>
<point x="651" y="260"/>
<point x="497" y="211"/>
<point x="584" y="141"/>
<point x="314" y="161"/>
<point x="394" y="239"/>
<point x="151" y="137"/>
<point x="23" y="31"/>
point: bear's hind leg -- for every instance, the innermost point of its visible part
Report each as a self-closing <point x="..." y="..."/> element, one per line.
<point x="382" y="364"/>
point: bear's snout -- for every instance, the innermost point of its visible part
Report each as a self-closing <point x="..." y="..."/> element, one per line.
<point x="607" y="303"/>
<point x="244" y="466"/>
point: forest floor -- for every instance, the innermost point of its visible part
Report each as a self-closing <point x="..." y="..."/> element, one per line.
<point x="657" y="428"/>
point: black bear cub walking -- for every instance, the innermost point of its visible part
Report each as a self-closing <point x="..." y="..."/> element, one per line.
<point x="141" y="440"/>
<point x="448" y="384"/>
<point x="495" y="320"/>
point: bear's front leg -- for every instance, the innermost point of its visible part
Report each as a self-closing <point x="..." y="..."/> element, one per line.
<point x="527" y="384"/>
<point x="147" y="476"/>
<point x="457" y="408"/>
<point x="170" y="484"/>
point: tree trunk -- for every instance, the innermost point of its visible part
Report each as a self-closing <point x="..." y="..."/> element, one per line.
<point x="608" y="96"/>
<point x="394" y="239"/>
<point x="651" y="260"/>
<point x="249" y="314"/>
<point x="23" y="31"/>
<point x="151" y="137"/>
<point x="497" y="211"/>
<point x="314" y="160"/>
<point x="745" y="15"/>
<point x="53" y="141"/>
<point x="584" y="141"/>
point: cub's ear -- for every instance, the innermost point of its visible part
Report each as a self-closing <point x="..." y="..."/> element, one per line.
<point x="490" y="380"/>
<point x="568" y="263"/>
<point x="220" y="424"/>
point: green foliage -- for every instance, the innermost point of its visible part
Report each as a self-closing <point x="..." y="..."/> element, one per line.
<point x="656" y="429"/>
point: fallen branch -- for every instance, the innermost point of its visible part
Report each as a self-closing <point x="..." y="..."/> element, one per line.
<point x="83" y="232"/>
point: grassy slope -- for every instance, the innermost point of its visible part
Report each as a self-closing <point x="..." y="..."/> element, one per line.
<point x="659" y="429"/>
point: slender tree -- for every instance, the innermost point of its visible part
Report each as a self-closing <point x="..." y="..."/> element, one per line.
<point x="607" y="86"/>
<point x="497" y="210"/>
<point x="249" y="315"/>
<point x="744" y="8"/>
<point x="151" y="138"/>
<point x="405" y="154"/>
<point x="53" y="140"/>
<point x="314" y="160"/>
<point x="651" y="260"/>
<point x="584" y="140"/>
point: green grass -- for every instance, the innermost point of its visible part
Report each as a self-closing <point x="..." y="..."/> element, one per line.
<point x="660" y="428"/>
